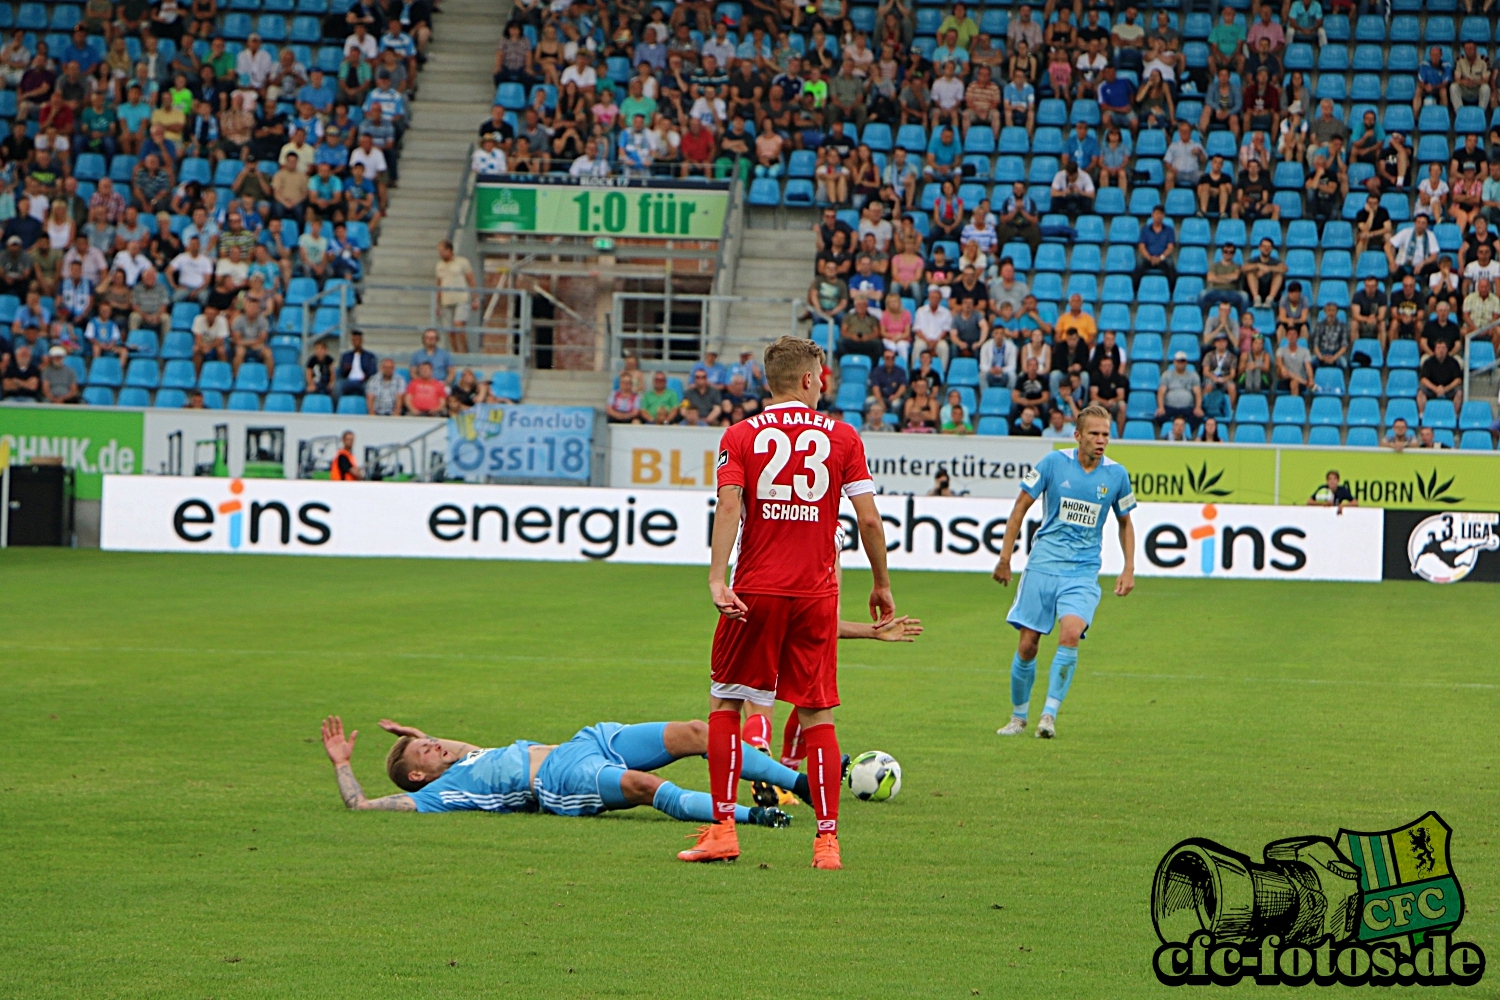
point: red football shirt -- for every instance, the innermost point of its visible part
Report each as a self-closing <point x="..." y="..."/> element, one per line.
<point x="793" y="465"/>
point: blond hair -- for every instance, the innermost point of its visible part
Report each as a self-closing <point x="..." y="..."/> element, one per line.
<point x="1093" y="410"/>
<point x="788" y="359"/>
<point x="397" y="768"/>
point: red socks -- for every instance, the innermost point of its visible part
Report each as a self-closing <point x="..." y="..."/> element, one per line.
<point x="724" y="762"/>
<point x="757" y="732"/>
<point x="793" y="747"/>
<point x="823" y="774"/>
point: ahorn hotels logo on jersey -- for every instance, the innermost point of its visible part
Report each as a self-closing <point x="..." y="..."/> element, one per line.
<point x="234" y="524"/>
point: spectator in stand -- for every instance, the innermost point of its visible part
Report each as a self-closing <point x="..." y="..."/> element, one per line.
<point x="250" y="334"/>
<point x="59" y="382"/>
<point x="1330" y="339"/>
<point x="932" y="324"/>
<point x="319" y="370"/>
<point x="356" y="367"/>
<point x="1399" y="437"/>
<point x="920" y="415"/>
<point x="701" y="403"/>
<point x="1030" y="389"/>
<point x="888" y="381"/>
<point x="385" y="392"/>
<point x="1155" y="247"/>
<point x="425" y="396"/>
<point x="1440" y="377"/>
<point x="1026" y="423"/>
<point x="455" y="307"/>
<point x="430" y="353"/>
<point x="1072" y="191"/>
<point x="717" y="374"/>
<point x="1179" y="394"/>
<point x="1481" y="308"/>
<point x="1220" y="371"/>
<point x="860" y="333"/>
<point x="1185" y="159"/>
<point x="22" y="378"/>
<point x="661" y="402"/>
<point x="1264" y="270"/>
<point x="1332" y="493"/>
<point x="1294" y="370"/>
<point x="1109" y="389"/>
<point x="1070" y="356"/>
<point x="828" y="296"/>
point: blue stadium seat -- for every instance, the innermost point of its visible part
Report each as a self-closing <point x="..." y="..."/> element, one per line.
<point x="1289" y="410"/>
<point x="765" y="192"/>
<point x="1047" y="286"/>
<point x="1326" y="410"/>
<point x="1331" y="87"/>
<point x="243" y="401"/>
<point x="1362" y="437"/>
<point x="1140" y="406"/>
<point x="317" y="403"/>
<point x="1336" y="264"/>
<point x="1328" y="381"/>
<point x="348" y="406"/>
<point x="106" y="371"/>
<point x="215" y="375"/>
<point x="1111" y="201"/>
<point x="1336" y="292"/>
<point x="1187" y="343"/>
<point x="1180" y="202"/>
<point x="1138" y="430"/>
<point x="1439" y="413"/>
<point x="1192" y="260"/>
<point x="1481" y="355"/>
<point x="1372" y="264"/>
<point x="1475" y="441"/>
<point x="1286" y="434"/>
<point x="1288" y="175"/>
<point x="992" y="426"/>
<point x="877" y="135"/>
<point x="1051" y="257"/>
<point x="1299" y="56"/>
<point x="1230" y="231"/>
<point x="1152" y="142"/>
<point x="1187" y="321"/>
<point x="1252" y="408"/>
<point x="252" y="378"/>
<point x="912" y="138"/>
<point x="1402" y="354"/>
<point x="1371" y="28"/>
<point x="169" y="399"/>
<point x="1119" y="288"/>
<point x="1009" y="169"/>
<point x="1144" y="376"/>
<point x="1052" y="111"/>
<point x="1434" y="118"/>
<point x="143" y="373"/>
<point x="98" y="395"/>
<point x="1013" y="139"/>
<point x="1323" y="436"/>
<point x="307" y="30"/>
<point x="798" y="192"/>
<point x="1475" y="416"/>
<point x="1364" y="383"/>
<point x="1367" y="59"/>
<point x="1194" y="232"/>
<point x="1146" y="346"/>
<point x="1042" y="170"/>
<point x="1154" y="289"/>
<point x="1401" y="383"/>
<point x="1090" y="229"/>
<point x="1402" y="408"/>
<point x="1222" y="144"/>
<point x="1400" y="87"/>
<point x="1142" y="201"/>
<point x="1438" y="31"/>
<point x="1187" y="291"/>
<point x="1249" y="433"/>
<point x="142" y="343"/>
<point x="1333" y="59"/>
<point x="280" y="402"/>
<point x="1290" y="203"/>
<point x="1302" y="235"/>
<point x="801" y="163"/>
<point x="963" y="372"/>
<point x="1468" y="120"/>
<point x="1197" y="25"/>
<point x="1432" y="148"/>
<point x="1086" y="259"/>
<point x="994" y="402"/>
<point x="1113" y="315"/>
<point x="979" y="140"/>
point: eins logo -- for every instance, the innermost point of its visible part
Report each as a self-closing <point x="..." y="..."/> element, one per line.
<point x="1373" y="909"/>
<point x="195" y="520"/>
<point x="1217" y="547"/>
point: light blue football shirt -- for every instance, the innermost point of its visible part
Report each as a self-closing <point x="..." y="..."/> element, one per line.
<point x="494" y="780"/>
<point x="1077" y="505"/>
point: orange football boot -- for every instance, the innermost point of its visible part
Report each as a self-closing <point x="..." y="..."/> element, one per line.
<point x="826" y="852"/>
<point x="716" y="842"/>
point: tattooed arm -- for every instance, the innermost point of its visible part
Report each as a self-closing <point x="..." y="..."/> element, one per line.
<point x="339" y="751"/>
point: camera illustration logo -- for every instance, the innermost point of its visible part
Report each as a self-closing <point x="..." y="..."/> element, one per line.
<point x="1363" y="908"/>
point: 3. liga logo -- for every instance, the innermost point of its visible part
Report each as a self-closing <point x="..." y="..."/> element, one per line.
<point x="1445" y="548"/>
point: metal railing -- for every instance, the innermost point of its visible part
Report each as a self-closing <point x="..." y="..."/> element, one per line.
<point x="665" y="329"/>
<point x="502" y="324"/>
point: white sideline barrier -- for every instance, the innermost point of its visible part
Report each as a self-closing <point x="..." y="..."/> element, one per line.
<point x="661" y="458"/>
<point x="439" y="520"/>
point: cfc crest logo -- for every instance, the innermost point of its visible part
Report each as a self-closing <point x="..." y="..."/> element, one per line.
<point x="1365" y="908"/>
<point x="1444" y="548"/>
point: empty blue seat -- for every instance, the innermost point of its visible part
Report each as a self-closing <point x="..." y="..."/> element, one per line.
<point x="317" y="403"/>
<point x="1194" y="232"/>
<point x="1249" y="433"/>
<point x="236" y="26"/>
<point x="1110" y="201"/>
<point x="143" y="373"/>
<point x="1402" y="354"/>
<point x="979" y="140"/>
<point x="1222" y="144"/>
<point x="98" y="395"/>
<point x="1333" y="59"/>
<point x="1154" y="289"/>
<point x="1180" y="202"/>
<point x="1192" y="260"/>
<point x="1323" y="436"/>
<point x="348" y="405"/>
<point x="1434" y="118"/>
<point x="1401" y="409"/>
<point x="1432" y="148"/>
<point x="1013" y="139"/>
<point x="1086" y="259"/>
<point x="1290" y="203"/>
<point x="1286" y="434"/>
<point x="1362" y="437"/>
<point x="912" y="138"/>
<point x="1475" y="416"/>
<point x="272" y="28"/>
<point x="1144" y="376"/>
<point x="1328" y="381"/>
<point x="1142" y="201"/>
<point x="1475" y="441"/>
<point x="1439" y="413"/>
<point x="1299" y="56"/>
<point x="1364" y="383"/>
<point x="307" y="30"/>
<point x="106" y="371"/>
<point x="1401" y="383"/>
<point x="1439" y="30"/>
<point x="1468" y="119"/>
<point x="252" y="377"/>
<point x="1326" y="410"/>
<point x="169" y="399"/>
<point x="1052" y="111"/>
<point x="1140" y="406"/>
<point x="1139" y="430"/>
<point x="1367" y="59"/>
<point x="1371" y="28"/>
<point x="1114" y="315"/>
<point x="280" y="402"/>
<point x="877" y="135"/>
<point x="1145" y="346"/>
<point x="1288" y="175"/>
<point x="764" y="192"/>
<point x="1336" y="264"/>
<point x="963" y="372"/>
<point x="1331" y="87"/>
<point x="1187" y="343"/>
<point x="801" y="163"/>
<point x="1289" y="410"/>
<point x="1090" y="229"/>
<point x="216" y="375"/>
<point x="1252" y="408"/>
<point x="246" y="401"/>
<point x="1366" y="87"/>
<point x="1230" y="231"/>
<point x="1481" y="355"/>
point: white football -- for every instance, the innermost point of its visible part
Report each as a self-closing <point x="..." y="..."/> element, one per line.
<point x="874" y="776"/>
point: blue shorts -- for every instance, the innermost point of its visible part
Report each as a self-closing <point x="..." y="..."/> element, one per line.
<point x="1041" y="599"/>
<point x="582" y="776"/>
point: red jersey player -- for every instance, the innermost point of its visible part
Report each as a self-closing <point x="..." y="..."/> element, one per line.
<point x="781" y="475"/>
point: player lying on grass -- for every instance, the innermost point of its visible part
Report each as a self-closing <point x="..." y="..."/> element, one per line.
<point x="604" y="767"/>
<point x="1061" y="581"/>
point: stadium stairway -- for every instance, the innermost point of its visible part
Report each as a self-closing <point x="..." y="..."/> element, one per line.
<point x="456" y="94"/>
<point x="774" y="263"/>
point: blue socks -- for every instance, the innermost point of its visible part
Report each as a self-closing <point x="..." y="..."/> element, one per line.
<point x="1063" y="664"/>
<point x="1022" y="676"/>
<point x="758" y="766"/>
<point x="694" y="807"/>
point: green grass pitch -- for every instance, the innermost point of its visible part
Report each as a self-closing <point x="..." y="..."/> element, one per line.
<point x="170" y="826"/>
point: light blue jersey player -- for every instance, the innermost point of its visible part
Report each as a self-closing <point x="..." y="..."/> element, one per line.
<point x="1061" y="582"/>
<point x="602" y="768"/>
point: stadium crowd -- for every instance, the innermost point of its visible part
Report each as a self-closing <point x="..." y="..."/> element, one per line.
<point x="1190" y="160"/>
<point x="178" y="180"/>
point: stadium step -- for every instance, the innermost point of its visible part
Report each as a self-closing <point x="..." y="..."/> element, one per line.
<point x="774" y="263"/>
<point x="455" y="96"/>
<point x="558" y="387"/>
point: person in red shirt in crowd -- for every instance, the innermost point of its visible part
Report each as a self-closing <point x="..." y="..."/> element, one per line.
<point x="425" y="395"/>
<point x="697" y="149"/>
<point x="779" y="623"/>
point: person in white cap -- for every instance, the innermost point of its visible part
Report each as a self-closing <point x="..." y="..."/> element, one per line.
<point x="59" y="382"/>
<point x="1180" y="393"/>
<point x="489" y="158"/>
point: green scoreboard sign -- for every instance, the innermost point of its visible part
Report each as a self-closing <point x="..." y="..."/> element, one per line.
<point x="695" y="213"/>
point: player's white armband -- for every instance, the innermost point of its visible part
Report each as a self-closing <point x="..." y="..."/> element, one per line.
<point x="859" y="488"/>
<point x="1031" y="478"/>
<point x="1126" y="503"/>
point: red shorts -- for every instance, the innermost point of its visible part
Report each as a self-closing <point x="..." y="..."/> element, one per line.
<point x="788" y="646"/>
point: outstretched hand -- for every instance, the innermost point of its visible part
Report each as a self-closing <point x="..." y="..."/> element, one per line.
<point x="392" y="726"/>
<point x="903" y="629"/>
<point x="339" y="750"/>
